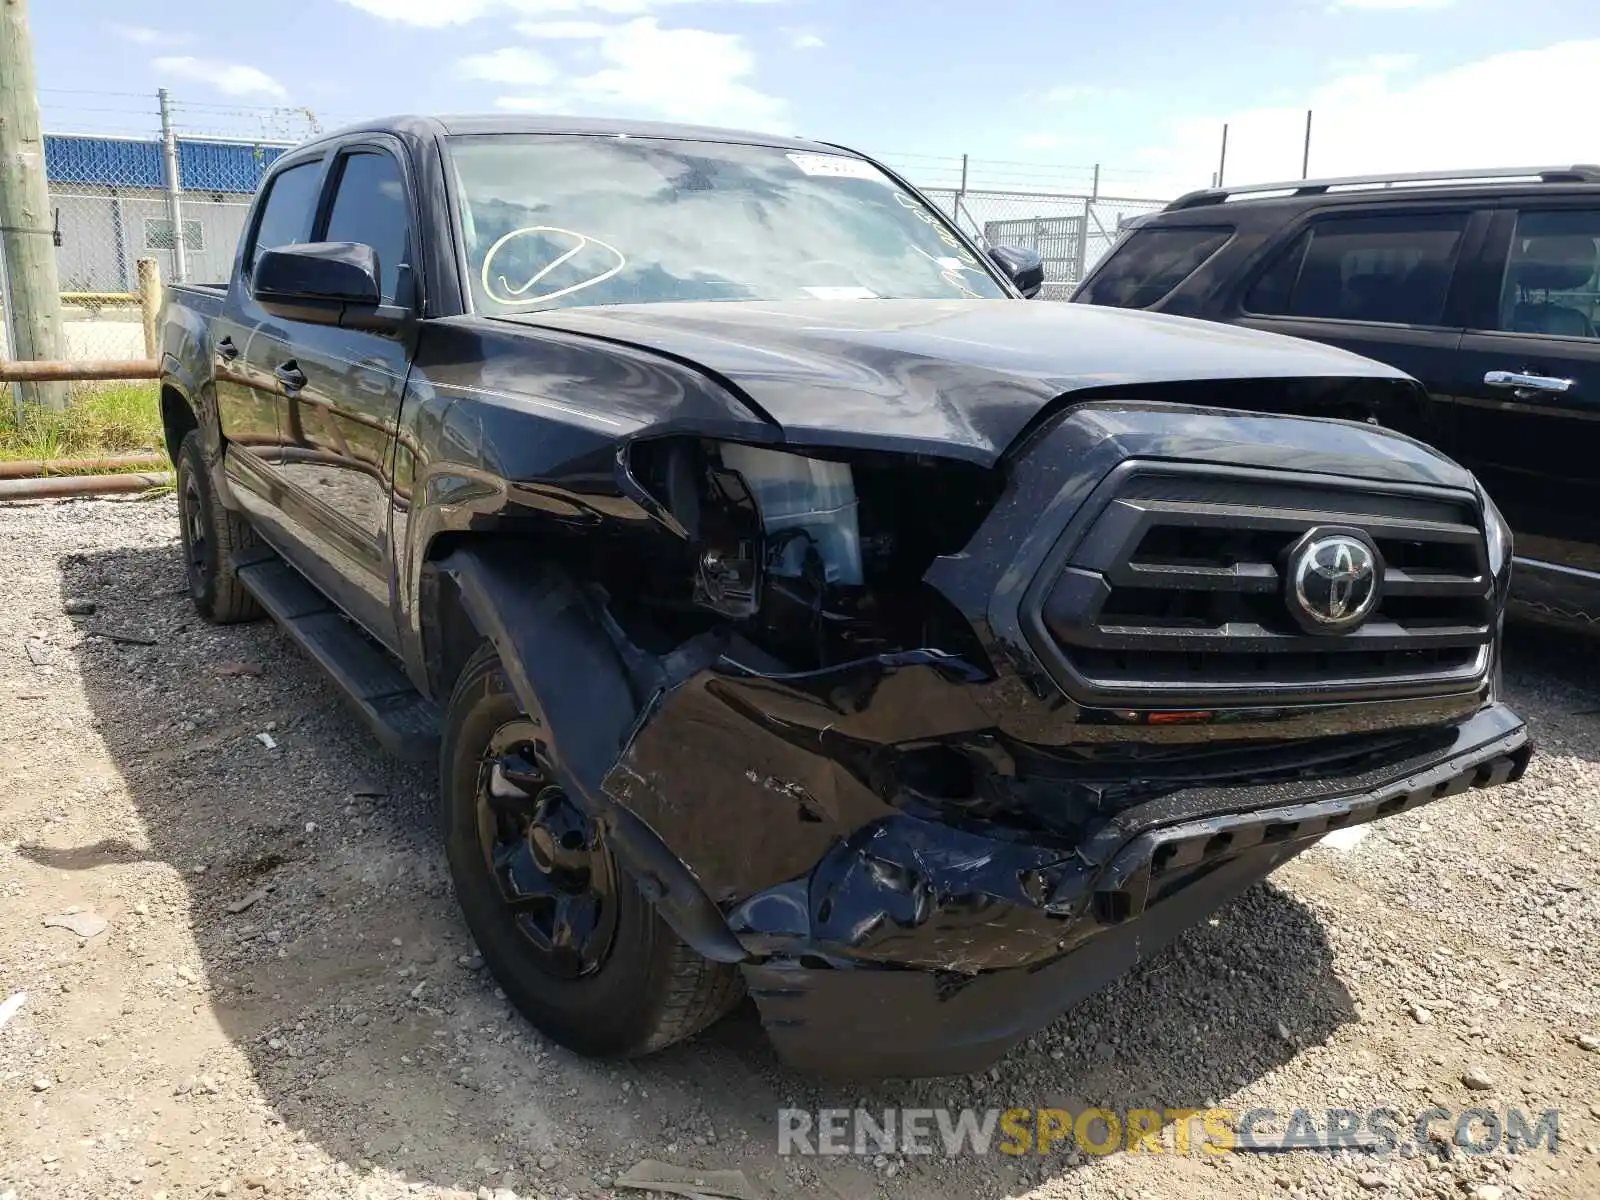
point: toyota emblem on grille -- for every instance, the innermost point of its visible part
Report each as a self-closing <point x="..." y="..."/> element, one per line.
<point x="1334" y="578"/>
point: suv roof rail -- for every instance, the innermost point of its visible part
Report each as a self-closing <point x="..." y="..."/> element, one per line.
<point x="1578" y="173"/>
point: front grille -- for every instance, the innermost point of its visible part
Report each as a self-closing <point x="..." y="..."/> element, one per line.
<point x="1174" y="595"/>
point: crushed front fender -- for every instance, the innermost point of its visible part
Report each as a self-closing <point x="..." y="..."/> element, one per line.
<point x="926" y="936"/>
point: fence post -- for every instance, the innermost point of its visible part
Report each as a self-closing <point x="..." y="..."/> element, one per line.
<point x="150" y="304"/>
<point x="169" y="160"/>
<point x="26" y="244"/>
<point x="1082" y="265"/>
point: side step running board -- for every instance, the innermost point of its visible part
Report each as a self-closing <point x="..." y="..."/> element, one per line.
<point x="401" y="718"/>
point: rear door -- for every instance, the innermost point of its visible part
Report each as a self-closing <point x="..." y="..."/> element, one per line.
<point x="1528" y="412"/>
<point x="1380" y="283"/>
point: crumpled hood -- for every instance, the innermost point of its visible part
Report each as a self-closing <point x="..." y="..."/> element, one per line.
<point x="955" y="377"/>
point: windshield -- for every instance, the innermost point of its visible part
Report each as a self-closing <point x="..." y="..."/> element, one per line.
<point x="556" y="221"/>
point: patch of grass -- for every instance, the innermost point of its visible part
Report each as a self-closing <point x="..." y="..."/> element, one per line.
<point x="101" y="419"/>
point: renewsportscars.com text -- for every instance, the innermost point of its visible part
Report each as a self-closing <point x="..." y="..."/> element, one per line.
<point x="1098" y="1131"/>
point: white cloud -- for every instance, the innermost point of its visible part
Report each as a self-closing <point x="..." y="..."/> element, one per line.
<point x="1386" y="115"/>
<point x="231" y="79"/>
<point x="564" y="30"/>
<point x="804" y="39"/>
<point x="143" y="35"/>
<point x="680" y="74"/>
<point x="509" y="64"/>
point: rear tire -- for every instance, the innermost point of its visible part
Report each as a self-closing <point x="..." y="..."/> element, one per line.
<point x="211" y="536"/>
<point x="623" y="983"/>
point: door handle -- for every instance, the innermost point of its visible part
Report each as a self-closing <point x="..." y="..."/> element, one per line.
<point x="290" y="375"/>
<point x="1526" y="383"/>
<point x="226" y="350"/>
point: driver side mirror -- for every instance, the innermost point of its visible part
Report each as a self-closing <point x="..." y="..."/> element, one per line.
<point x="324" y="283"/>
<point x="1025" y="268"/>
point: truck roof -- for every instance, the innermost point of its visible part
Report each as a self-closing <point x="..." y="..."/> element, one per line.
<point x="525" y="123"/>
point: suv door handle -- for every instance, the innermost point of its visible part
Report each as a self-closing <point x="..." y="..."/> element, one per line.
<point x="290" y="375"/>
<point x="1526" y="383"/>
<point x="226" y="350"/>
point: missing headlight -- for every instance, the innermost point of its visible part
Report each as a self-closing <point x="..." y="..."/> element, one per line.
<point x="819" y="559"/>
<point x="806" y="505"/>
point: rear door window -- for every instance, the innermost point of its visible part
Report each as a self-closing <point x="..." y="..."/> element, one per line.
<point x="1552" y="280"/>
<point x="286" y="212"/>
<point x="1150" y="263"/>
<point x="1393" y="270"/>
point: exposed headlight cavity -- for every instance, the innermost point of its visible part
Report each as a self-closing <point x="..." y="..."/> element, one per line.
<point x="805" y="504"/>
<point x="817" y="561"/>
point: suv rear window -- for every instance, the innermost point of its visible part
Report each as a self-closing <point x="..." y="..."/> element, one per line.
<point x="1150" y="263"/>
<point x="1393" y="270"/>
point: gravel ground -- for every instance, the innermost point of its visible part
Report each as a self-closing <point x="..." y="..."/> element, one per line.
<point x="284" y="1000"/>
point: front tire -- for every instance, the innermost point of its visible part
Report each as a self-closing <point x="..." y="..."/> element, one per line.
<point x="212" y="535"/>
<point x="563" y="929"/>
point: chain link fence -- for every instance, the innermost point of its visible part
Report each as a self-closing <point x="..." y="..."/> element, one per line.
<point x="112" y="204"/>
<point x="1070" y="232"/>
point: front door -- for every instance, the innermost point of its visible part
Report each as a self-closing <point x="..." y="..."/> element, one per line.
<point x="340" y="400"/>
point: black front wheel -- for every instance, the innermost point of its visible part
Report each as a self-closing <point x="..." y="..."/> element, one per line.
<point x="575" y="946"/>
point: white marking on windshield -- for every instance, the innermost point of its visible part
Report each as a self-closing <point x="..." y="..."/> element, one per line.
<point x="950" y="271"/>
<point x="519" y="294"/>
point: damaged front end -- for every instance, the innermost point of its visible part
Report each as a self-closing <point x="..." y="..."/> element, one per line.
<point x="933" y="751"/>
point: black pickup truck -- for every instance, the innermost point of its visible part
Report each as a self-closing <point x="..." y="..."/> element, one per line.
<point x="791" y="607"/>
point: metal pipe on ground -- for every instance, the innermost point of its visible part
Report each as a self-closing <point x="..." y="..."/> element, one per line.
<point x="80" y="485"/>
<point x="65" y="370"/>
<point x="101" y="299"/>
<point x="36" y="468"/>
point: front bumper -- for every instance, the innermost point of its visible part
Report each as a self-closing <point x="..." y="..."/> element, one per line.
<point x="1136" y="886"/>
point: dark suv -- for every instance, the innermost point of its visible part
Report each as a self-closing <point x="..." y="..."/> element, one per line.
<point x="1481" y="284"/>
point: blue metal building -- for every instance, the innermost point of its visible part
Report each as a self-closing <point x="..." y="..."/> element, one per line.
<point x="203" y="166"/>
<point x="109" y="195"/>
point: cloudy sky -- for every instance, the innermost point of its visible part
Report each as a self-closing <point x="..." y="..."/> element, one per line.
<point x="1142" y="88"/>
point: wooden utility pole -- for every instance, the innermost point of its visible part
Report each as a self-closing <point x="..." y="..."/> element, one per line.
<point x="27" y="245"/>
